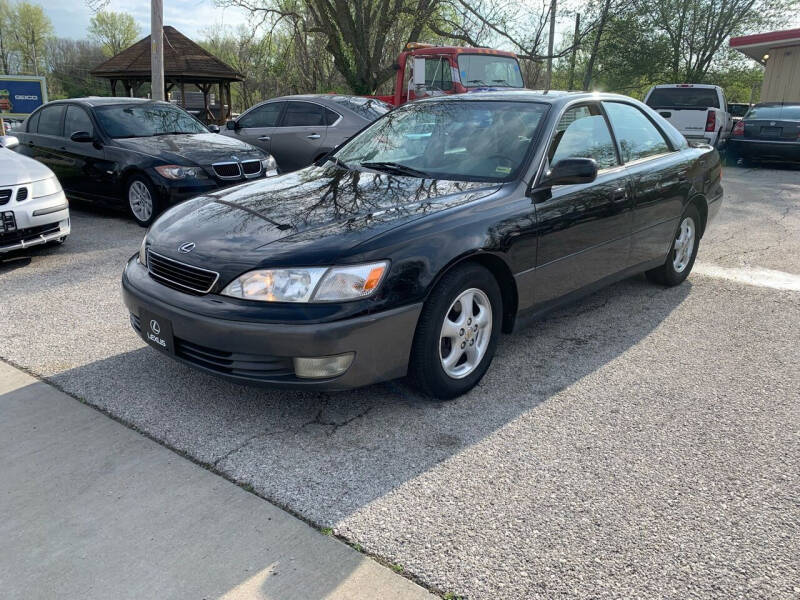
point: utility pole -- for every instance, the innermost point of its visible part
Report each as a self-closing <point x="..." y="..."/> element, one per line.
<point x="156" y="50"/>
<point x="574" y="51"/>
<point x="550" y="45"/>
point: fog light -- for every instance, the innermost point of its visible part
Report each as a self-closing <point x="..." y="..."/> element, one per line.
<point x="322" y="367"/>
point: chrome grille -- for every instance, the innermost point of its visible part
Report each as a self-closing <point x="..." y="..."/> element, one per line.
<point x="5" y="196"/>
<point x="22" y="194"/>
<point x="251" y="168"/>
<point x="180" y="276"/>
<point x="227" y="170"/>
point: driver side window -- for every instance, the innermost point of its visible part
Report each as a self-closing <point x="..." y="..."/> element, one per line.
<point x="582" y="132"/>
<point x="262" y="116"/>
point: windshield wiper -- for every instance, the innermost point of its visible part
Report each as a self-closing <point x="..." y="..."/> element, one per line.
<point x="340" y="163"/>
<point x="395" y="168"/>
<point x="168" y="133"/>
<point x="478" y="81"/>
<point x="504" y="82"/>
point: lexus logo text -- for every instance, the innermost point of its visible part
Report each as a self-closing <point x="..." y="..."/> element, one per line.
<point x="186" y="247"/>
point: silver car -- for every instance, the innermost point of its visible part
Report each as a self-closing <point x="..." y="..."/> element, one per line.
<point x="33" y="208"/>
<point x="298" y="130"/>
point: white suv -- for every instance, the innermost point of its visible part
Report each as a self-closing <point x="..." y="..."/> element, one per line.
<point x="33" y="207"/>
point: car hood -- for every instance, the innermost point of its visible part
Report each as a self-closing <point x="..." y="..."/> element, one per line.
<point x="192" y="148"/>
<point x="309" y="217"/>
<point x="17" y="169"/>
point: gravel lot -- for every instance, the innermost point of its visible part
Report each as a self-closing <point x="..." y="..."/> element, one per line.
<point x="643" y="443"/>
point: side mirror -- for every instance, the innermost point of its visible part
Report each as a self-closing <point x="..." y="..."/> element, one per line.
<point x="231" y="125"/>
<point x="570" y="171"/>
<point x="82" y="137"/>
<point x="9" y="141"/>
<point x="213" y="128"/>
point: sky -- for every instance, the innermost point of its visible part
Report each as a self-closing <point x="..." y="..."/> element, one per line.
<point x="70" y="18"/>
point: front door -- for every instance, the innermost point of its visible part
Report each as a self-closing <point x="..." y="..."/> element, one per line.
<point x="85" y="171"/>
<point x="583" y="229"/>
<point x="257" y="125"/>
<point x="300" y="138"/>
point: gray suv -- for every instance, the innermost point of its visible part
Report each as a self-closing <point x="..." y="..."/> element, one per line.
<point x="298" y="130"/>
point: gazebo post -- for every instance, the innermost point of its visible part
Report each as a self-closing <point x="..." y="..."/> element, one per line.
<point x="183" y="95"/>
<point x="113" y="87"/>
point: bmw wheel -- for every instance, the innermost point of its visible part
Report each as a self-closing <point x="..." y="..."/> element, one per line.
<point x="457" y="333"/>
<point x="142" y="200"/>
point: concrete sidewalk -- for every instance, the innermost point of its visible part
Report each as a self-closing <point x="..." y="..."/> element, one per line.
<point x="92" y="509"/>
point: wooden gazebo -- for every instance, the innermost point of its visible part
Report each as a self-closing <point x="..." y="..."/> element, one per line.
<point x="185" y="62"/>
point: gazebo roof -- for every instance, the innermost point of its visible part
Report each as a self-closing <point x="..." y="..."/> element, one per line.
<point x="183" y="60"/>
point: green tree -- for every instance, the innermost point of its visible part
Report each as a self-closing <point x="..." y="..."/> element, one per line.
<point x="7" y="43"/>
<point x="31" y="33"/>
<point x="114" y="31"/>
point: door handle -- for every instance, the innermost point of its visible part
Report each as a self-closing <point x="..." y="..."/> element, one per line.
<point x="313" y="136"/>
<point x="264" y="138"/>
<point x="619" y="194"/>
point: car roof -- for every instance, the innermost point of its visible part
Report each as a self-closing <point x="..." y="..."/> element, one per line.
<point x="103" y="100"/>
<point x="523" y="95"/>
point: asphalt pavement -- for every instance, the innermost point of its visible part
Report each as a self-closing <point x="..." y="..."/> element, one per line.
<point x="641" y="443"/>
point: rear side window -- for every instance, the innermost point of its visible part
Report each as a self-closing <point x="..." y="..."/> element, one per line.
<point x="303" y="114"/>
<point x="33" y="122"/>
<point x="50" y="120"/>
<point x="331" y="117"/>
<point x="77" y="120"/>
<point x="262" y="116"/>
<point x="637" y="136"/>
<point x="688" y="97"/>
<point x="582" y="132"/>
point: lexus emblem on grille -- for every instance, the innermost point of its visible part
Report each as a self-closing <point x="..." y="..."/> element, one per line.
<point x="155" y="327"/>
<point x="186" y="247"/>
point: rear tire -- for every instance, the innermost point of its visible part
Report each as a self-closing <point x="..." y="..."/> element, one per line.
<point x="457" y="333"/>
<point x="142" y="200"/>
<point x="680" y="260"/>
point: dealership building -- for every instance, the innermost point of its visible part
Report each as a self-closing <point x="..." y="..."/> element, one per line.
<point x="779" y="52"/>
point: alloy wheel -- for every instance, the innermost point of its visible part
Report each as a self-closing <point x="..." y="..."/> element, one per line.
<point x="465" y="334"/>
<point x="140" y="200"/>
<point x="684" y="245"/>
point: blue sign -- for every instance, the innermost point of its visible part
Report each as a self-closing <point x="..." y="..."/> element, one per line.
<point x="21" y="95"/>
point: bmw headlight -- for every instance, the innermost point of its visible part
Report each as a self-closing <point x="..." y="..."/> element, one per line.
<point x="45" y="187"/>
<point x="270" y="166"/>
<point x="143" y="251"/>
<point x="312" y="284"/>
<point x="178" y="172"/>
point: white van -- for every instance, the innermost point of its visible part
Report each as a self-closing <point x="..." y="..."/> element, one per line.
<point x="698" y="111"/>
<point x="33" y="207"/>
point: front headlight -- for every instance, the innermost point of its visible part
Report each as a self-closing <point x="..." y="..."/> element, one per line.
<point x="178" y="172"/>
<point x="143" y="251"/>
<point x="269" y="165"/>
<point x="45" y="187"/>
<point x="313" y="284"/>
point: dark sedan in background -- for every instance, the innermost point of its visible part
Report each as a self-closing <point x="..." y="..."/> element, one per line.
<point x="136" y="153"/>
<point x="770" y="131"/>
<point x="420" y="239"/>
<point x="299" y="130"/>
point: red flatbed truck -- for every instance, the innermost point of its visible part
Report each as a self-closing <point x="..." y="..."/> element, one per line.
<point x="425" y="70"/>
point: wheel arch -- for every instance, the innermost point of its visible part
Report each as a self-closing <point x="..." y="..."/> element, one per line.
<point x="700" y="203"/>
<point x="502" y="274"/>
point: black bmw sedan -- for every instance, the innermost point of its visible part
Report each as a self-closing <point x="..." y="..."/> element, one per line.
<point x="136" y="153"/>
<point x="413" y="246"/>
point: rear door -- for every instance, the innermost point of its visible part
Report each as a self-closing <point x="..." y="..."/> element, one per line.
<point x="300" y="137"/>
<point x="257" y="125"/>
<point x="47" y="144"/>
<point x="659" y="177"/>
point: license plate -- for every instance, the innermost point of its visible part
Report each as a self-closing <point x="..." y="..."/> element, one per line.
<point x="771" y="131"/>
<point x="157" y="332"/>
<point x="9" y="222"/>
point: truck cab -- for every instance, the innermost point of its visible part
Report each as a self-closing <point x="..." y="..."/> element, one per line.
<point x="425" y="70"/>
<point x="698" y="111"/>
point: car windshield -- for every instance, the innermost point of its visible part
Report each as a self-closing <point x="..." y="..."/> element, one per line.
<point x="456" y="139"/>
<point x="488" y="70"/>
<point x="146" y="119"/>
<point x="683" y="97"/>
<point x="775" y="111"/>
<point x="369" y="108"/>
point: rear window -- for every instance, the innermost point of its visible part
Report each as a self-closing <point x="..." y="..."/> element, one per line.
<point x="775" y="111"/>
<point x="368" y="108"/>
<point x="683" y="98"/>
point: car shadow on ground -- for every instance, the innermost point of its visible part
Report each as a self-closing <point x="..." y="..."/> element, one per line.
<point x="325" y="455"/>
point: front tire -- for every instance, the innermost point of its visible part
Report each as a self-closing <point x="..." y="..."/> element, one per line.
<point x="142" y="200"/>
<point x="457" y="333"/>
<point x="680" y="259"/>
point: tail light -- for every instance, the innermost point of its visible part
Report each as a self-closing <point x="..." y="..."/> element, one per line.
<point x="738" y="129"/>
<point x="711" y="121"/>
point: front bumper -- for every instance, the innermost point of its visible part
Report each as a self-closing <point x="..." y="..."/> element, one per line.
<point x="254" y="352"/>
<point x="37" y="220"/>
<point x="766" y="149"/>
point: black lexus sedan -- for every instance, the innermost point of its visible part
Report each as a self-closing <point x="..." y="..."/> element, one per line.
<point x="136" y="153"/>
<point x="414" y="245"/>
<point x="770" y="131"/>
